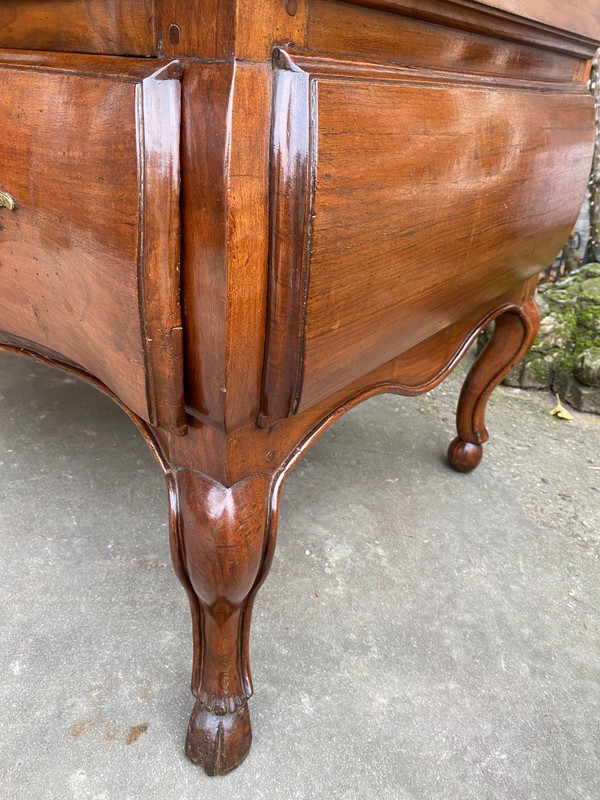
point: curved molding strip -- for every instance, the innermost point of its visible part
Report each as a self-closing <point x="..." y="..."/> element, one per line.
<point x="578" y="27"/>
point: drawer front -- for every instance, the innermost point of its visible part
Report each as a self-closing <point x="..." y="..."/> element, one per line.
<point x="89" y="255"/>
<point x="79" y="26"/>
<point x="402" y="203"/>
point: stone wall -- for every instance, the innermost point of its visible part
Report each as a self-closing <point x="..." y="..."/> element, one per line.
<point x="565" y="356"/>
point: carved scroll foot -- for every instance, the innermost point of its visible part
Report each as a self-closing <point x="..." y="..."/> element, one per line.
<point x="222" y="544"/>
<point x="514" y="332"/>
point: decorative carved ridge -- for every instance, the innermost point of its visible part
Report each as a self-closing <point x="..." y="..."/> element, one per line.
<point x="291" y="193"/>
<point x="220" y="706"/>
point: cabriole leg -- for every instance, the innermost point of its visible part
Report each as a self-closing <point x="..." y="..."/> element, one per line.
<point x="514" y="333"/>
<point x="222" y="543"/>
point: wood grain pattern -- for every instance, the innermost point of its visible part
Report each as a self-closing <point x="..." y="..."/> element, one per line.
<point x="213" y="29"/>
<point x="351" y="213"/>
<point x="159" y="261"/>
<point x="223" y="539"/>
<point x="230" y="457"/>
<point x="440" y="163"/>
<point x="370" y="33"/>
<point x="515" y="330"/>
<point x="209" y="29"/>
<point x="80" y="26"/>
<point x="279" y="22"/>
<point x="74" y="250"/>
<point x="573" y="38"/>
<point x="205" y="29"/>
<point x="225" y="239"/>
<point x="292" y="168"/>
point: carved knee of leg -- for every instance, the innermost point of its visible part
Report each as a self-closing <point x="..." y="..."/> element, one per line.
<point x="225" y="536"/>
<point x="514" y="332"/>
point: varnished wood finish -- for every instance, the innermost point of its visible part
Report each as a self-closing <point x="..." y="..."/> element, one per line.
<point x="290" y="207"/>
<point x="374" y="34"/>
<point x="80" y="26"/>
<point x="222" y="535"/>
<point x="354" y="287"/>
<point x="225" y="238"/>
<point x="90" y="255"/>
<point x="577" y="36"/>
<point x="515" y="330"/>
<point x="240" y="29"/>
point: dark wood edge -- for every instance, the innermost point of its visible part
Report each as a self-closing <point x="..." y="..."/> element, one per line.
<point x="290" y="192"/>
<point x="101" y="67"/>
<point x="514" y="333"/>
<point x="395" y="387"/>
<point x="178" y="557"/>
<point x="159" y="281"/>
<point x="472" y="16"/>
<point x="343" y="68"/>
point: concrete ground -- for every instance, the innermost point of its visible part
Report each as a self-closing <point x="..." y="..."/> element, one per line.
<point x="422" y="634"/>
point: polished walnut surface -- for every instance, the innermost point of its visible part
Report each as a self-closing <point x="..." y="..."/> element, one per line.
<point x="241" y="219"/>
<point x="97" y="292"/>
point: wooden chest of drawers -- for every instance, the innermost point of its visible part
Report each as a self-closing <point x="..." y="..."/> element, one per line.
<point x="241" y="219"/>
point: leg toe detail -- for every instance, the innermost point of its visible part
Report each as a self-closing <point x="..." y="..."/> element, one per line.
<point x="464" y="456"/>
<point x="218" y="742"/>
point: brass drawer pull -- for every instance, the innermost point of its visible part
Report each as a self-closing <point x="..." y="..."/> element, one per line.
<point x="7" y="201"/>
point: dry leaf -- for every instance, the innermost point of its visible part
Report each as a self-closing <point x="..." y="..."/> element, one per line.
<point x="560" y="411"/>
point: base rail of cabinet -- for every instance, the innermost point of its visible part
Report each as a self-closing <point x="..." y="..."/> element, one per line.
<point x="223" y="537"/>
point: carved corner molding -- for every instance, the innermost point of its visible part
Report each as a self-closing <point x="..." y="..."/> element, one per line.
<point x="342" y="295"/>
<point x="496" y="22"/>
